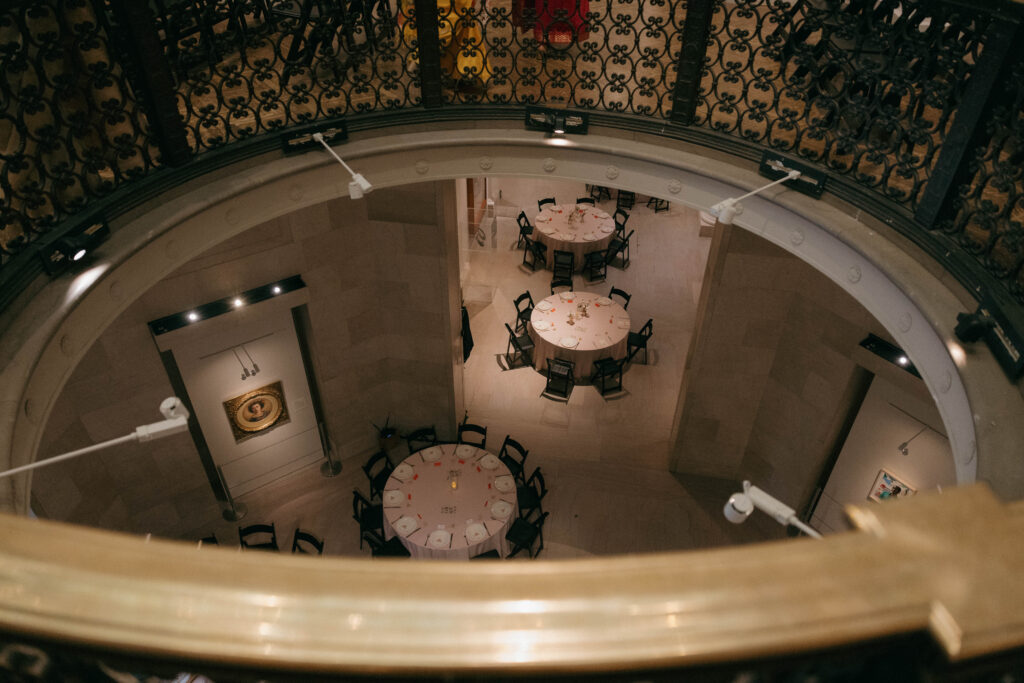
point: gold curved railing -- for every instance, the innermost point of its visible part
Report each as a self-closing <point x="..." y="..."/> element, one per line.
<point x="946" y="564"/>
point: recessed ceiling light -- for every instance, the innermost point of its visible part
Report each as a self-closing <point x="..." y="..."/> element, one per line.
<point x="238" y="303"/>
<point x="193" y="316"/>
<point x="903" y="360"/>
<point x="277" y="289"/>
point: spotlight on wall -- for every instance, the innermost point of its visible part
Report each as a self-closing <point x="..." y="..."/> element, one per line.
<point x="556" y="121"/>
<point x="904" y="448"/>
<point x="359" y="185"/>
<point x="889" y="352"/>
<point x="727" y="209"/>
<point x="73" y="246"/>
<point x="742" y="505"/>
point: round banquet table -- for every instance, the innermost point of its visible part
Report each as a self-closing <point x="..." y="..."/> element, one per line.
<point x="601" y="333"/>
<point x="590" y="229"/>
<point x="433" y="519"/>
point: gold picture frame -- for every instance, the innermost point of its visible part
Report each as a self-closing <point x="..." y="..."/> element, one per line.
<point x="256" y="411"/>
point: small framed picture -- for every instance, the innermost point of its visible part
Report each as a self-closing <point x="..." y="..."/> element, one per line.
<point x="888" y="486"/>
<point x="256" y="411"/>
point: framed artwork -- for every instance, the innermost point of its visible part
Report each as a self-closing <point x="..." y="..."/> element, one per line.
<point x="256" y="411"/>
<point x="887" y="486"/>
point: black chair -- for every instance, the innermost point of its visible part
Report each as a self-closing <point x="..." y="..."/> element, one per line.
<point x="560" y="377"/>
<point x="619" y="247"/>
<point x="523" y="534"/>
<point x="541" y="203"/>
<point x="561" y="282"/>
<point x="586" y="200"/>
<point x="209" y="540"/>
<point x="513" y="455"/>
<point x="474" y="435"/>
<point x="305" y="543"/>
<point x="625" y="200"/>
<point x="524" y="309"/>
<point x="638" y="340"/>
<point x="657" y="204"/>
<point x="607" y="375"/>
<point x="600" y="192"/>
<point x="421" y="438"/>
<point x="622" y="295"/>
<point x="525" y="228"/>
<point x="531" y="494"/>
<point x="595" y="265"/>
<point x="620" y="219"/>
<point x="378" y="468"/>
<point x="535" y="254"/>
<point x="489" y="555"/>
<point x="258" y="537"/>
<point x="522" y="345"/>
<point x="369" y="515"/>
<point x="564" y="264"/>
<point x="381" y="548"/>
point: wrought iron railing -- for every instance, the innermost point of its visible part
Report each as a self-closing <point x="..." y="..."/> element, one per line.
<point x="913" y="108"/>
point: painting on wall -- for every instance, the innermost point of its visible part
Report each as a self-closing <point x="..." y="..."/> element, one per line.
<point x="887" y="486"/>
<point x="256" y="411"/>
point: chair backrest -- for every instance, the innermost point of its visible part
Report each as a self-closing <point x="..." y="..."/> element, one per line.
<point x="560" y="282"/>
<point x="542" y="202"/>
<point x="586" y="200"/>
<point x="565" y="259"/>
<point x="262" y="536"/>
<point x="620" y="217"/>
<point x="513" y="339"/>
<point x="523" y="221"/>
<point x="377" y="463"/>
<point x="466" y="432"/>
<point x="513" y="450"/>
<point x="536" y="482"/>
<point x="594" y="258"/>
<point x="359" y="505"/>
<point x="306" y="543"/>
<point x="619" y="293"/>
<point x="648" y="329"/>
<point x="524" y="297"/>
<point x="422" y="437"/>
<point x="539" y="249"/>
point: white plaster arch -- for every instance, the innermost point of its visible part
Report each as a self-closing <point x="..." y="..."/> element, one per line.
<point x="54" y="329"/>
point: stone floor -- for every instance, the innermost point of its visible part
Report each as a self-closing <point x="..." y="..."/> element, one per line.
<point x="605" y="461"/>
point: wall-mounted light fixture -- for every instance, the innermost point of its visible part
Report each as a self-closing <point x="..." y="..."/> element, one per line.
<point x="741" y="505"/>
<point x="73" y="246"/>
<point x="889" y="352"/>
<point x="556" y="121"/>
<point x="176" y="420"/>
<point x="991" y="324"/>
<point x="226" y="305"/>
<point x="727" y="209"/>
<point x="904" y="448"/>
<point x="359" y="185"/>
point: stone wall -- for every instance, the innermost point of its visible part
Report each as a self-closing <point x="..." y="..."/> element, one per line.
<point x="381" y="273"/>
<point x="770" y="379"/>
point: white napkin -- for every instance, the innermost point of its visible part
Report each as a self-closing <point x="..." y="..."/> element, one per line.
<point x="501" y="509"/>
<point x="546" y="229"/>
<point x="622" y="323"/>
<point x="565" y="296"/>
<point x="476" y="532"/>
<point x="505" y="483"/>
<point x="544" y="306"/>
<point x="465" y="451"/>
<point x="403" y="472"/>
<point x="439" y="539"/>
<point x="432" y="454"/>
<point x="541" y="325"/>
<point x="569" y="342"/>
<point x="406" y="525"/>
<point x="601" y="214"/>
<point x="607" y="228"/>
<point x="590" y="237"/>
<point x="489" y="462"/>
<point x="604" y="301"/>
<point x="393" y="498"/>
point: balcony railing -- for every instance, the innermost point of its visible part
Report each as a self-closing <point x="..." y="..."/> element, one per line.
<point x="913" y="109"/>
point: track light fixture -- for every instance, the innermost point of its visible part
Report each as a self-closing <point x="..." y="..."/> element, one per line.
<point x="556" y="121"/>
<point x="73" y="246"/>
<point x="741" y="505"/>
<point x="970" y="327"/>
<point x="359" y="185"/>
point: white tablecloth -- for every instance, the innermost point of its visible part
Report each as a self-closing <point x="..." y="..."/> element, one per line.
<point x="601" y="333"/>
<point x="420" y="490"/>
<point x="589" y="229"/>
